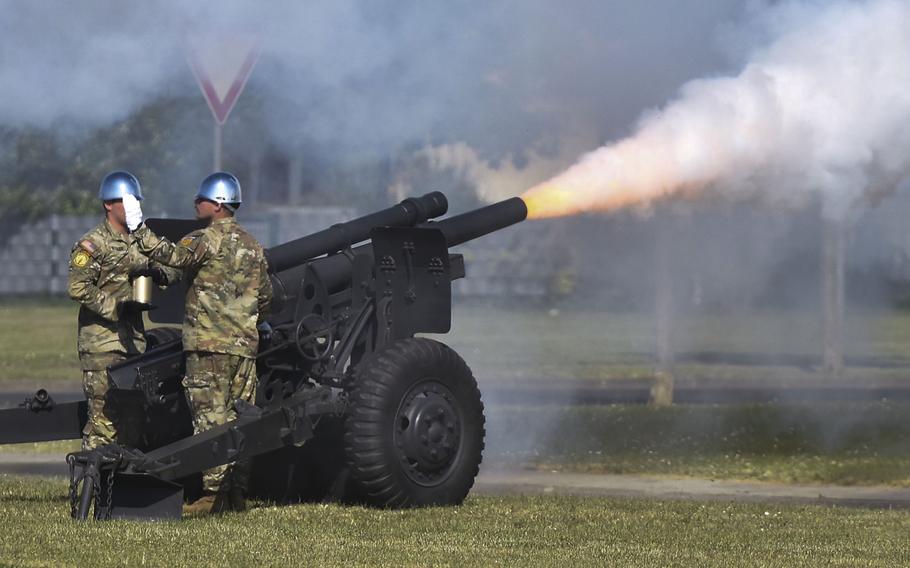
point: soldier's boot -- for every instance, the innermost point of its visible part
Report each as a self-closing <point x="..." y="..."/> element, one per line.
<point x="201" y="506"/>
<point x="209" y="504"/>
<point x="238" y="499"/>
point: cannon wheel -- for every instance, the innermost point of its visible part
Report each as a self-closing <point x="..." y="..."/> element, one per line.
<point x="414" y="433"/>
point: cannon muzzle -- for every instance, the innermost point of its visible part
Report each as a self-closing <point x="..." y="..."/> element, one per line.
<point x="409" y="212"/>
<point x="479" y="222"/>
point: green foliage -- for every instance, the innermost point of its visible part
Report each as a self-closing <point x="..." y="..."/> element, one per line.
<point x="50" y="173"/>
<point x="168" y="145"/>
<point x="162" y="145"/>
<point x="23" y="203"/>
<point x="40" y="183"/>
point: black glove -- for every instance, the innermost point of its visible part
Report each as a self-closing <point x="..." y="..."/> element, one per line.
<point x="265" y="332"/>
<point x="158" y="276"/>
<point x="134" y="307"/>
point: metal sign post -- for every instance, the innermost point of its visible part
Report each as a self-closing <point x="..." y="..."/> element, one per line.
<point x="222" y="70"/>
<point x="217" y="145"/>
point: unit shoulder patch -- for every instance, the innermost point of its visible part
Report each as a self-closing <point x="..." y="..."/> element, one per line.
<point x="188" y="240"/>
<point x="81" y="259"/>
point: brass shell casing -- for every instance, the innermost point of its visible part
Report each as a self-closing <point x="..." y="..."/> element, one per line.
<point x="142" y="289"/>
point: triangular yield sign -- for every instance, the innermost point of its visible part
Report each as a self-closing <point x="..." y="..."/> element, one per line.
<point x="222" y="70"/>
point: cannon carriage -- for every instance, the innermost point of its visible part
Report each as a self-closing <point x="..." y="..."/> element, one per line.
<point x="351" y="403"/>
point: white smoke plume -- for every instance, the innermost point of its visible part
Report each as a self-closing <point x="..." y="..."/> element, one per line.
<point x="351" y="82"/>
<point x="496" y="181"/>
<point x="821" y="111"/>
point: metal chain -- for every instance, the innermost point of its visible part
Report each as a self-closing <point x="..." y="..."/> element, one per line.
<point x="96" y="485"/>
<point x="109" y="506"/>
<point x="103" y="503"/>
<point x="74" y="484"/>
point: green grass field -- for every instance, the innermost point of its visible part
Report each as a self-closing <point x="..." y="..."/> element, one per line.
<point x="38" y="342"/>
<point x="842" y="443"/>
<point x="485" y="531"/>
<point x="522" y="343"/>
<point x="56" y="447"/>
<point x="836" y="443"/>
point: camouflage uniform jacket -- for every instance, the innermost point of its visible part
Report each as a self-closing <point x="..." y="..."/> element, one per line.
<point x="100" y="265"/>
<point x="228" y="287"/>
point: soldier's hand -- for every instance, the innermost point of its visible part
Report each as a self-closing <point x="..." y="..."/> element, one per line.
<point x="134" y="307"/>
<point x="133" y="212"/>
<point x="265" y="331"/>
<point x="158" y="276"/>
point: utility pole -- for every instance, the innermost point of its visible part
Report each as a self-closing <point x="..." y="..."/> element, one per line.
<point x="662" y="387"/>
<point x="832" y="281"/>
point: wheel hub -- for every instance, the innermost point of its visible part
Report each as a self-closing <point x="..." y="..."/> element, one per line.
<point x="428" y="432"/>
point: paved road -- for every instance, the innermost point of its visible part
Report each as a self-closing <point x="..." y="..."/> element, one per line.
<point x="33" y="464"/>
<point x="567" y="392"/>
<point x="504" y="482"/>
<point x="551" y="483"/>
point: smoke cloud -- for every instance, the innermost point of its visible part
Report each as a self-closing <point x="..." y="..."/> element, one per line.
<point x="820" y="111"/>
<point x="798" y="100"/>
<point x="495" y="182"/>
<point x="346" y="82"/>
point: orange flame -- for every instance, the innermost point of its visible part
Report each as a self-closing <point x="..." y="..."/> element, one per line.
<point x="548" y="200"/>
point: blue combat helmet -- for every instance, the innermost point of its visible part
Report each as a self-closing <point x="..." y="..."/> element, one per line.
<point x="221" y="187"/>
<point x="117" y="184"/>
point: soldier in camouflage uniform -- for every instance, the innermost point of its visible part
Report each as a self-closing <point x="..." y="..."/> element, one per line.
<point x="110" y="325"/>
<point x="228" y="295"/>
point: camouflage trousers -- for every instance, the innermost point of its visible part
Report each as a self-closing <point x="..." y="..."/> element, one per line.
<point x="99" y="428"/>
<point x="213" y="382"/>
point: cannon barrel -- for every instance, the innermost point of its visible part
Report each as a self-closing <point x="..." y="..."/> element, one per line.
<point x="409" y="212"/>
<point x="479" y="222"/>
<point x="335" y="270"/>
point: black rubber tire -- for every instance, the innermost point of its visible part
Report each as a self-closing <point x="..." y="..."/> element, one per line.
<point x="394" y="382"/>
<point x="161" y="335"/>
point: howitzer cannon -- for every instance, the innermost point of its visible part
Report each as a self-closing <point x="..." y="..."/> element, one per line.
<point x="350" y="404"/>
